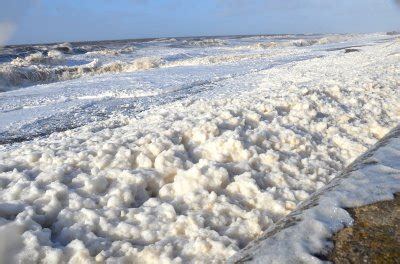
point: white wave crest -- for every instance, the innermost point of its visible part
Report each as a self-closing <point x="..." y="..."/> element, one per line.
<point x="64" y="47"/>
<point x="111" y="52"/>
<point x="321" y="41"/>
<point x="105" y="52"/>
<point x="19" y="75"/>
<point x="296" y="43"/>
<point x="52" y="57"/>
<point x="207" y="60"/>
<point x="205" y="43"/>
<point x="144" y="63"/>
<point x="164" y="40"/>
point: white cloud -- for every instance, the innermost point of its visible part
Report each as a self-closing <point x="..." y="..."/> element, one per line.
<point x="6" y="31"/>
<point x="11" y="13"/>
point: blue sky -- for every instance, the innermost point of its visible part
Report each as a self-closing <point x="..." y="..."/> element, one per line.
<point x="41" y="21"/>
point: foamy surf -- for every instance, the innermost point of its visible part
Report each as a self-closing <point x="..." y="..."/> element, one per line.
<point x="31" y="65"/>
<point x="203" y="170"/>
<point x="21" y="73"/>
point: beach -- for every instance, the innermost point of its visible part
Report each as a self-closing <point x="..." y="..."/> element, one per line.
<point x="186" y="152"/>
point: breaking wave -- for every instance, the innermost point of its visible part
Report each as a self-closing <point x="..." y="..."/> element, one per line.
<point x="296" y="42"/>
<point x="321" y="41"/>
<point x="204" y="43"/>
<point x="163" y="40"/>
<point x="111" y="52"/>
<point x="64" y="47"/>
<point x="39" y="68"/>
<point x="52" y="57"/>
<point x="19" y="75"/>
<point x="58" y="62"/>
<point x="393" y="33"/>
<point x="207" y="60"/>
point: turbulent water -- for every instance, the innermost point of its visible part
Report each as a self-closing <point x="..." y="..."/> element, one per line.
<point x="43" y="86"/>
<point x="23" y="66"/>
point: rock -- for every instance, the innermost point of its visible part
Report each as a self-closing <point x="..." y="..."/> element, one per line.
<point x="374" y="237"/>
<point x="351" y="50"/>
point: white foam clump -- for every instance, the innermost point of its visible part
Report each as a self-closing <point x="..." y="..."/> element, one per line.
<point x="196" y="181"/>
<point x="305" y="233"/>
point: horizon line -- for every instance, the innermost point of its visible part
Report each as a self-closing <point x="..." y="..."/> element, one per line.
<point x="144" y="39"/>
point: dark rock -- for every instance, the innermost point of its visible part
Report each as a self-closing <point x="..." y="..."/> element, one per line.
<point x="351" y="50"/>
<point x="392" y="33"/>
<point x="374" y="237"/>
<point x="63" y="49"/>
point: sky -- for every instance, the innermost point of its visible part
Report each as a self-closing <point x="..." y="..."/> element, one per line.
<point x="45" y="21"/>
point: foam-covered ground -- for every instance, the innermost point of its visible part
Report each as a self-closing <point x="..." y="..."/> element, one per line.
<point x="360" y="203"/>
<point x="199" y="178"/>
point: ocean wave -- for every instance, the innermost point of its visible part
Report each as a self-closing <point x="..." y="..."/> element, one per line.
<point x="89" y="48"/>
<point x="295" y="43"/>
<point x="104" y="52"/>
<point x="64" y="47"/>
<point x="111" y="52"/>
<point x="19" y="75"/>
<point x="207" y="60"/>
<point x="164" y="40"/>
<point x="52" y="63"/>
<point x="144" y="63"/>
<point x="23" y="73"/>
<point x="205" y="43"/>
<point x="267" y="37"/>
<point x="52" y="57"/>
<point x="321" y="41"/>
<point x="15" y="76"/>
<point x="393" y="33"/>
